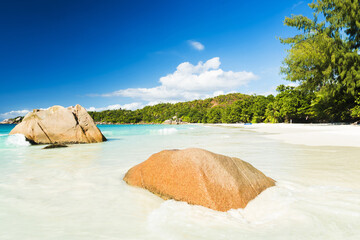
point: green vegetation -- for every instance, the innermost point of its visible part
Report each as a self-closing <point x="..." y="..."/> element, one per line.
<point x="289" y="104"/>
<point x="234" y="107"/>
<point x="323" y="59"/>
<point x="15" y="120"/>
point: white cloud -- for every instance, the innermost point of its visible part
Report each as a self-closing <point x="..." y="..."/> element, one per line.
<point x="129" y="106"/>
<point x="196" y="45"/>
<point x="296" y="5"/>
<point x="205" y="77"/>
<point x="14" y="113"/>
<point x="190" y="82"/>
<point x="218" y="93"/>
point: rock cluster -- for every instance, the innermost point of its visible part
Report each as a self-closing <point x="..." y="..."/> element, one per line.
<point x="174" y="120"/>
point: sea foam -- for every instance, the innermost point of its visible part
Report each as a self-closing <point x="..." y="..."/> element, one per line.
<point x="167" y="131"/>
<point x="17" y="139"/>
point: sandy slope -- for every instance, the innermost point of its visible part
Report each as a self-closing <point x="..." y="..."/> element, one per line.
<point x="308" y="134"/>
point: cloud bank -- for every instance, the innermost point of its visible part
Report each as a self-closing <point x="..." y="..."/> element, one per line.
<point x="130" y="106"/>
<point x="190" y="82"/>
<point x="12" y="114"/>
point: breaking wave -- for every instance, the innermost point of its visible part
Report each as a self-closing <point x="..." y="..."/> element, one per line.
<point x="17" y="140"/>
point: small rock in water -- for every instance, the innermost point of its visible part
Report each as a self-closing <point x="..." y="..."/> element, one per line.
<point x="55" y="145"/>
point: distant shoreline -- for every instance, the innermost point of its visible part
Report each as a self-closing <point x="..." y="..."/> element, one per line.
<point x="223" y="124"/>
<point x="309" y="134"/>
<point x="142" y="123"/>
<point x="238" y="124"/>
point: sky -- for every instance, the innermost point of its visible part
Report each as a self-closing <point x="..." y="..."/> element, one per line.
<point x="131" y="53"/>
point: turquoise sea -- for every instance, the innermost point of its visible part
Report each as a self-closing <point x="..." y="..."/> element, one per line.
<point x="78" y="192"/>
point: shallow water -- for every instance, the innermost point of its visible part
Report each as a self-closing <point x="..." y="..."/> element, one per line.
<point x="78" y="192"/>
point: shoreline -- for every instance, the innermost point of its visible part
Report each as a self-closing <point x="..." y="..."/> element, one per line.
<point x="140" y="123"/>
<point x="337" y="135"/>
<point x="308" y="134"/>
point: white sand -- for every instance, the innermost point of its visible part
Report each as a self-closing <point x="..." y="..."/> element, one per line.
<point x="308" y="134"/>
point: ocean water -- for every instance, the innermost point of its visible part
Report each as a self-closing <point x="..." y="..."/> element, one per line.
<point x="78" y="192"/>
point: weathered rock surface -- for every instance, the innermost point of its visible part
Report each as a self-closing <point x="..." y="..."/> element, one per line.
<point x="200" y="177"/>
<point x="59" y="125"/>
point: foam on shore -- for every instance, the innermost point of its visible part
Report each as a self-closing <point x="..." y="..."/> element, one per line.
<point x="17" y="139"/>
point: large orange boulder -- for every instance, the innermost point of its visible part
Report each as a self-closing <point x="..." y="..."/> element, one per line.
<point x="59" y="125"/>
<point x="200" y="177"/>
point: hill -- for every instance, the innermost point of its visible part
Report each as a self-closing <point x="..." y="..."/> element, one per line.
<point x="291" y="104"/>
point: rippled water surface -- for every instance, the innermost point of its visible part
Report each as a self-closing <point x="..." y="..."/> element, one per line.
<point x="78" y="192"/>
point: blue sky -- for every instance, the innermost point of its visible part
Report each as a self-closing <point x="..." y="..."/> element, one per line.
<point x="107" y="54"/>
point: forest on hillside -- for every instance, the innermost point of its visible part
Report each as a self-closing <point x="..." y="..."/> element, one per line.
<point x="322" y="59"/>
<point x="290" y="104"/>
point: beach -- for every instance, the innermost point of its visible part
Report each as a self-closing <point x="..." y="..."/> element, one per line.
<point x="307" y="134"/>
<point x="78" y="192"/>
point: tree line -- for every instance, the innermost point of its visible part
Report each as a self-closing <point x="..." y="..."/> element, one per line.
<point x="291" y="104"/>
